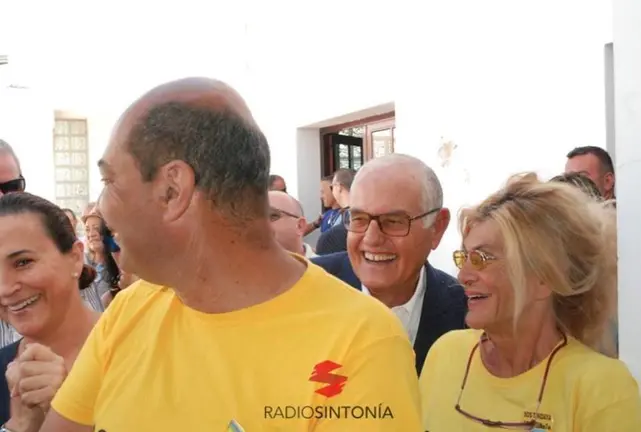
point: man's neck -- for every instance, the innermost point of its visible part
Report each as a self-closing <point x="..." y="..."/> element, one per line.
<point x="226" y="273"/>
<point x="397" y="295"/>
<point x="343" y="200"/>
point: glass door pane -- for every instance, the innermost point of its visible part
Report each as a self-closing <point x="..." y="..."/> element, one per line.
<point x="382" y="142"/>
<point x="343" y="156"/>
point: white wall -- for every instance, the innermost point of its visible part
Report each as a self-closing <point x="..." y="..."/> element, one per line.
<point x="627" y="87"/>
<point x="313" y="63"/>
<point x="513" y="97"/>
<point x="26" y="122"/>
<point x="95" y="60"/>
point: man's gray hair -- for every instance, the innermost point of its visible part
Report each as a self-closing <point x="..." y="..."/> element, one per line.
<point x="431" y="189"/>
<point x="5" y="147"/>
<point x="229" y="156"/>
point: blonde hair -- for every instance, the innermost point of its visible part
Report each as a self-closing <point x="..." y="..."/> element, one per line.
<point x="557" y="234"/>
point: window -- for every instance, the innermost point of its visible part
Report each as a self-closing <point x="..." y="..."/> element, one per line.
<point x="352" y="144"/>
<point x="71" y="164"/>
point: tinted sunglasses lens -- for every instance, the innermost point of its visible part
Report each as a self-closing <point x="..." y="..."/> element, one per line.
<point x="459" y="259"/>
<point x="477" y="260"/>
<point x="11" y="186"/>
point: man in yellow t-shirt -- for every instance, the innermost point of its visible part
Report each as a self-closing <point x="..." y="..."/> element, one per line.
<point x="247" y="337"/>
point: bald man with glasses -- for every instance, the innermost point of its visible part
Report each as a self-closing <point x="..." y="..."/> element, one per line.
<point x="288" y="223"/>
<point x="396" y="218"/>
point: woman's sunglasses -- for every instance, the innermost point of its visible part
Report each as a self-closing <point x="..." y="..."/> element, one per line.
<point x="478" y="259"/>
<point x="11" y="186"/>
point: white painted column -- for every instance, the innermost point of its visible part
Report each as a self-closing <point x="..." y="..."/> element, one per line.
<point x="627" y="85"/>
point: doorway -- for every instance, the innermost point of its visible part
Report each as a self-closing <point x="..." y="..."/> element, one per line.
<point x="350" y="145"/>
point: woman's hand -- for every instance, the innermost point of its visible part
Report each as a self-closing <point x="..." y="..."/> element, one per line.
<point x="36" y="375"/>
<point x="33" y="380"/>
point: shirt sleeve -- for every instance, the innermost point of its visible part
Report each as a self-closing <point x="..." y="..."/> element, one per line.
<point x="76" y="399"/>
<point x="623" y="413"/>
<point x="380" y="393"/>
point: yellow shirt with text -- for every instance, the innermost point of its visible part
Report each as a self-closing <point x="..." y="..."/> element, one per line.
<point x="585" y="391"/>
<point x="319" y="357"/>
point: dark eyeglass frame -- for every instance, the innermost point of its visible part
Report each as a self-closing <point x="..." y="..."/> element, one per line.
<point x="529" y="425"/>
<point x="377" y="218"/>
<point x="461" y="256"/>
<point x="16" y="185"/>
<point x="280" y="213"/>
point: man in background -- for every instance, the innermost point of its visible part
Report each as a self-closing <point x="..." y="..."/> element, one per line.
<point x="595" y="163"/>
<point x="288" y="223"/>
<point x="277" y="183"/>
<point x="334" y="239"/>
<point x="11" y="181"/>
<point x="331" y="210"/>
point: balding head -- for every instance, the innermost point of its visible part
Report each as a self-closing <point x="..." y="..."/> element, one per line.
<point x="195" y="92"/>
<point x="286" y="202"/>
<point x="186" y="151"/>
<point x="288" y="222"/>
<point x="9" y="163"/>
<point x="206" y="124"/>
<point x="398" y="167"/>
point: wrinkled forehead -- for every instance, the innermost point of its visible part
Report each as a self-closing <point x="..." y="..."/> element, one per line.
<point x="587" y="163"/>
<point x="281" y="201"/>
<point x="387" y="189"/>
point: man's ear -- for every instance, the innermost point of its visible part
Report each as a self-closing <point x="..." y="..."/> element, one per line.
<point x="608" y="182"/>
<point x="175" y="187"/>
<point x="440" y="226"/>
<point x="301" y="225"/>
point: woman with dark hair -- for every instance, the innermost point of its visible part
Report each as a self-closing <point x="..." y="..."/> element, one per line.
<point x="42" y="274"/>
<point x="111" y="274"/>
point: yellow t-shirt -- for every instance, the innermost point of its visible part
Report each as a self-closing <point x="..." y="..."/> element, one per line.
<point x="319" y="357"/>
<point x="585" y="391"/>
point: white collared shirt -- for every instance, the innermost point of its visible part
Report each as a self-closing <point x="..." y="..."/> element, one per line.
<point x="309" y="251"/>
<point x="410" y="312"/>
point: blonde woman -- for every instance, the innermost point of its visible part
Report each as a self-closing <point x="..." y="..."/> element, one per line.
<point x="538" y="265"/>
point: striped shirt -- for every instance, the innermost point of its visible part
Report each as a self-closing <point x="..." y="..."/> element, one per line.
<point x="8" y="334"/>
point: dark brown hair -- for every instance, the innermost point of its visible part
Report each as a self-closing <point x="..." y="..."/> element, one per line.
<point x="54" y="221"/>
<point x="604" y="157"/>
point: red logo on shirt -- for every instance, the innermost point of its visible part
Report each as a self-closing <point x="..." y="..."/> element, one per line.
<point x="322" y="374"/>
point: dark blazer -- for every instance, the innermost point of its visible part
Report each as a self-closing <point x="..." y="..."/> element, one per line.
<point x="444" y="305"/>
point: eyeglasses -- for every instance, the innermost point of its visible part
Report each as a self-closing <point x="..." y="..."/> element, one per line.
<point x="275" y="214"/>
<point x="15" y="185"/>
<point x="526" y="425"/>
<point x="478" y="259"/>
<point x="391" y="224"/>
